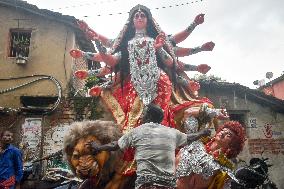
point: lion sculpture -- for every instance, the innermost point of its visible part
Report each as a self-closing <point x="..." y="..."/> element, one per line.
<point x="101" y="170"/>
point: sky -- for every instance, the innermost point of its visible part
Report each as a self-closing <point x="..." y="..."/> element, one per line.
<point x="249" y="35"/>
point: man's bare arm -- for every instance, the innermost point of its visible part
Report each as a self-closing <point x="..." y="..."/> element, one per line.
<point x="196" y="136"/>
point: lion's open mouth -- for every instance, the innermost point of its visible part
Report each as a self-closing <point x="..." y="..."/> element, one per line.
<point x="89" y="170"/>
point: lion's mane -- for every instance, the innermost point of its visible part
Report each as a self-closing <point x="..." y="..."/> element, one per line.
<point x="104" y="131"/>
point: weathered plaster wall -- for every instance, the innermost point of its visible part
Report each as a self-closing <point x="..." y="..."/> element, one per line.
<point x="50" y="44"/>
<point x="42" y="135"/>
<point x="39" y="136"/>
<point x="264" y="129"/>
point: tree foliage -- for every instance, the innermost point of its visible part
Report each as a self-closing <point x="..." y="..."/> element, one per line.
<point x="203" y="77"/>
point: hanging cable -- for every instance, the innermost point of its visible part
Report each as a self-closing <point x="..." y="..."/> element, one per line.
<point x="120" y="13"/>
<point x="38" y="78"/>
<point x="82" y="5"/>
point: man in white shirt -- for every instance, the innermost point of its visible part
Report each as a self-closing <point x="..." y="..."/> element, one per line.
<point x="155" y="147"/>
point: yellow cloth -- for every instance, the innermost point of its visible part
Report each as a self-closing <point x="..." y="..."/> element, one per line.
<point x="218" y="181"/>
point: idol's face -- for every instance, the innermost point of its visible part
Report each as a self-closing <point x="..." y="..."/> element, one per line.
<point x="140" y="20"/>
<point x="225" y="137"/>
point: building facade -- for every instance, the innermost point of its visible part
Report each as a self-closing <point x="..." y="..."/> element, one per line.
<point x="263" y="118"/>
<point x="37" y="81"/>
<point x="275" y="88"/>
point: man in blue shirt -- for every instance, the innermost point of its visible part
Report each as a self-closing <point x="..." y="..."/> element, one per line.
<point x="11" y="165"/>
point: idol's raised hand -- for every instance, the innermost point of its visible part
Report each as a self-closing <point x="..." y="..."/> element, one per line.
<point x="82" y="25"/>
<point x="209" y="46"/>
<point x="203" y="68"/>
<point x="199" y="19"/>
<point x="160" y="40"/>
<point x="88" y="31"/>
<point x="76" y="53"/>
<point x="81" y="74"/>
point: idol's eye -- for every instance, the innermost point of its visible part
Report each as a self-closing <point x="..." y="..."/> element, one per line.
<point x="141" y="15"/>
<point x="137" y="15"/>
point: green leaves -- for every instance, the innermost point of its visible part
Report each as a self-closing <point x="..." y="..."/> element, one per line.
<point x="91" y="81"/>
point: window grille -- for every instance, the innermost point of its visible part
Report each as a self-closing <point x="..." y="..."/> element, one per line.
<point x="19" y="43"/>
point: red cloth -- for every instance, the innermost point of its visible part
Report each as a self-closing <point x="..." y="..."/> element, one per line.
<point x="7" y="184"/>
<point x="190" y="104"/>
<point x="129" y="154"/>
<point x="126" y="99"/>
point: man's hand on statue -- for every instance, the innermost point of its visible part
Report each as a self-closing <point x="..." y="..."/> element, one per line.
<point x="95" y="91"/>
<point x="94" y="147"/>
<point x="81" y="74"/>
<point x="209" y="46"/>
<point x="76" y="53"/>
<point x="222" y="114"/>
<point x="203" y="68"/>
<point x="199" y="19"/>
<point x="160" y="40"/>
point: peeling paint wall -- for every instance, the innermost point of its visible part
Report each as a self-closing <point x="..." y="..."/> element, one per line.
<point x="49" y="54"/>
<point x="40" y="136"/>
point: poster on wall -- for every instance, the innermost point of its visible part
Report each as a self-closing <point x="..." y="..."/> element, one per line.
<point x="31" y="138"/>
<point x="53" y="141"/>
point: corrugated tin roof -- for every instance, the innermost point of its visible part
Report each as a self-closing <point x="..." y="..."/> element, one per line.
<point x="252" y="94"/>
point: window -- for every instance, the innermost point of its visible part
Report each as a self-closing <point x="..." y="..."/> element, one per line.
<point x="238" y="115"/>
<point x="19" y="43"/>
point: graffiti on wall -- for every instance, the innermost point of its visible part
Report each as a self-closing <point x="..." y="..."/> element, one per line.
<point x="31" y="138"/>
<point x="53" y="142"/>
<point x="267" y="131"/>
<point x="267" y="138"/>
<point x="252" y="122"/>
<point x="270" y="131"/>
